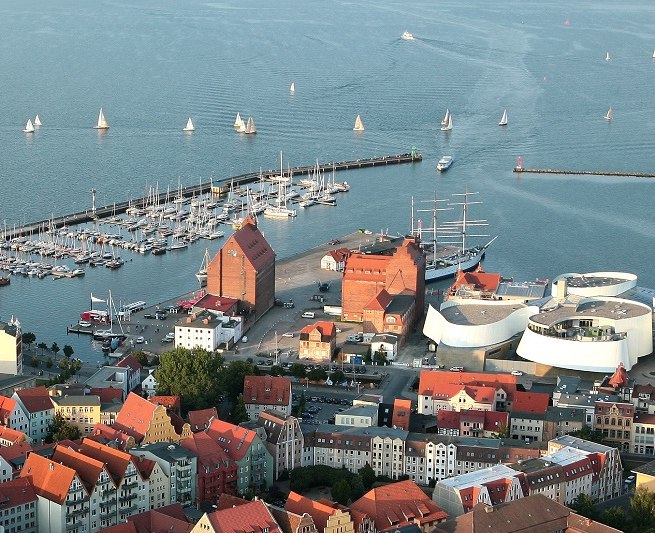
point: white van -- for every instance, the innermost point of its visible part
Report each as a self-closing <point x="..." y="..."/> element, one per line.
<point x="308" y="314"/>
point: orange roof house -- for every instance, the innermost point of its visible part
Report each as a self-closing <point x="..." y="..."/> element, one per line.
<point x="112" y="437"/>
<point x="402" y="409"/>
<point x="400" y="504"/>
<point x="318" y="341"/>
<point x="147" y="422"/>
<point x="326" y="515"/>
<point x="251" y="517"/>
<point x="200" y="419"/>
<point x="266" y="392"/>
<point x="169" y="519"/>
<point x="50" y="479"/>
<point x="530" y="402"/>
<point x="477" y="282"/>
<point x="10" y="436"/>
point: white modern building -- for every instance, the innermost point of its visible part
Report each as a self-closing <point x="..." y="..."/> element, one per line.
<point x="471" y="323"/>
<point x="11" y="348"/>
<point x="207" y="330"/>
<point x="587" y="326"/>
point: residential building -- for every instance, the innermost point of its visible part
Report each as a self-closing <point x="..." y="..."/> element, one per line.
<point x="246" y="448"/>
<point x="402" y="410"/>
<point x="584" y="401"/>
<point x="149" y="423"/>
<point x="528" y="415"/>
<point x="129" y="361"/>
<point x="335" y="260"/>
<point x="643" y="398"/>
<point x="159" y="485"/>
<point x="82" y="412"/>
<point x="11" y="348"/>
<point x="116" y="377"/>
<point x="291" y="522"/>
<point x="472" y="423"/>
<point x="208" y="331"/>
<point x="562" y="421"/>
<point x="318" y="341"/>
<point x="251" y="516"/>
<point x="12" y="415"/>
<point x="12" y="459"/>
<point x="38" y="409"/>
<point x="113" y="437"/>
<point x="18" y="507"/>
<point x="385" y="344"/>
<point x="327" y="517"/>
<point x="534" y="513"/>
<point x="170" y="518"/>
<point x="645" y="476"/>
<point x="362" y="416"/>
<point x="200" y="419"/>
<point x="614" y="420"/>
<point x="216" y="472"/>
<point x="244" y="269"/>
<point x="178" y="464"/>
<point x="149" y="384"/>
<point x="9" y="437"/>
<point x="284" y="440"/>
<point x="261" y="393"/>
<point x="643" y="434"/>
<point x="397" y="505"/>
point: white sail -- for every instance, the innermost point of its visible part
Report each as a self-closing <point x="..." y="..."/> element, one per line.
<point x="449" y="124"/>
<point x="359" y="125"/>
<point x="609" y="114"/>
<point x="292" y="89"/>
<point x="29" y="127"/>
<point x="250" y="127"/>
<point x="503" y="120"/>
<point x="445" y="118"/>
<point x="189" y="125"/>
<point x="607" y="56"/>
<point x="37" y="120"/>
<point x="653" y="54"/>
<point x="102" y="122"/>
<point x="238" y="122"/>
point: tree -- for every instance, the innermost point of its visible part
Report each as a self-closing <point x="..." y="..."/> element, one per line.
<point x="63" y="364"/>
<point x="338" y="376"/>
<point x="615" y="517"/>
<point x="42" y="346"/>
<point x="68" y="350"/>
<point x="356" y="488"/>
<point x="502" y="433"/>
<point x="584" y="505"/>
<point x="341" y="492"/>
<point x="276" y="370"/>
<point x="380" y="357"/>
<point x="195" y="375"/>
<point x="49" y="362"/>
<point x="317" y="374"/>
<point x="240" y="414"/>
<point x="367" y="474"/>
<point x="587" y="433"/>
<point x="301" y="404"/>
<point x="55" y="349"/>
<point x="59" y="429"/>
<point x="75" y="366"/>
<point x="642" y="509"/>
<point x="141" y="357"/>
<point x="35" y="362"/>
<point x="298" y="370"/>
<point x="233" y="376"/>
<point x="28" y="338"/>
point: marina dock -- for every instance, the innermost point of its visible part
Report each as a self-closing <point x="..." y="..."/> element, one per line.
<point x="217" y="187"/>
<point x="584" y="172"/>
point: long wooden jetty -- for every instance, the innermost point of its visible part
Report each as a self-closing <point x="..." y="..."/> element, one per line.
<point x="218" y="186"/>
<point x="585" y="172"/>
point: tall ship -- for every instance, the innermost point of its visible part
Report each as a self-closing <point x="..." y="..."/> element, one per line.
<point x="447" y="244"/>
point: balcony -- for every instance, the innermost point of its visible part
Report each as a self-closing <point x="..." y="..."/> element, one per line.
<point x="70" y="513"/>
<point x="128" y="510"/>
<point x="107" y="503"/>
<point x="130" y="485"/>
<point x="107" y="517"/>
<point x="72" y="527"/>
<point x="183" y="474"/>
<point x="127" y="498"/>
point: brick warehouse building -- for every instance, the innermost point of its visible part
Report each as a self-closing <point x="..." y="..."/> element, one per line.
<point x="244" y="269"/>
<point x="373" y="286"/>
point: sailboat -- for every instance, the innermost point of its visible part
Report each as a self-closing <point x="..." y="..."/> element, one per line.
<point x="292" y="89"/>
<point x="444" y="258"/>
<point x="238" y="122"/>
<point x="37" y="120"/>
<point x="250" y="126"/>
<point x="29" y="127"/>
<point x="189" y="125"/>
<point x="503" y="120"/>
<point x="653" y="54"/>
<point x="449" y="123"/>
<point x="201" y="275"/>
<point x="445" y="118"/>
<point x="607" y="56"/>
<point x="102" y="122"/>
<point x="359" y="125"/>
<point x="609" y="114"/>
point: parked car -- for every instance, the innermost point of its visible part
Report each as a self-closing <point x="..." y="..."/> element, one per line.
<point x="139" y="340"/>
<point x="149" y="316"/>
<point x="308" y="314"/>
<point x="457" y="369"/>
<point x="516" y="373"/>
<point x="288" y="334"/>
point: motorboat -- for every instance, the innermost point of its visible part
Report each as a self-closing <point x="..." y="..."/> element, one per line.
<point x="444" y="163"/>
<point x="407" y="36"/>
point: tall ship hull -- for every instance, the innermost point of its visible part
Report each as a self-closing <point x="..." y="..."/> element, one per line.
<point x="447" y="267"/>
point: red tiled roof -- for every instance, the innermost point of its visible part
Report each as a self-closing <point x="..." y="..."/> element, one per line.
<point x="252" y="516"/>
<point x="102" y="432"/>
<point x="620" y="377"/>
<point x="530" y="402"/>
<point x="366" y="267"/>
<point x="643" y="389"/>
<point x="199" y="420"/>
<point x="478" y="394"/>
<point x="135" y="416"/>
<point x="480" y="280"/>
<point x="209" y="451"/>
<point x="578" y="469"/>
<point x="107" y="394"/>
<point x="143" y="465"/>
<point x="235" y="440"/>
<point x="36" y="399"/>
<point x="169" y="519"/>
<point x="380" y="301"/>
<point x="398" y="504"/>
<point x="116" y="461"/>
<point x="448" y="419"/>
<point x="16" y="492"/>
<point x="326" y="329"/>
<point x="170" y="402"/>
<point x="266" y="390"/>
<point x="498" y="489"/>
<point x="87" y="468"/>
<point x="225" y="501"/>
<point x="644" y="418"/>
<point x="217" y="303"/>
<point x="402" y="410"/>
<point x="339" y="254"/>
<point x="431" y="380"/>
<point x="320" y="512"/>
<point x="11" y="435"/>
<point x="49" y="478"/>
<point x="9" y="453"/>
<point x="495" y="420"/>
<point x="130" y="361"/>
<point x="252" y="244"/>
<point x="7" y="406"/>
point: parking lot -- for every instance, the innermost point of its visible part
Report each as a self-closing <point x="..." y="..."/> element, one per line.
<point x="321" y="409"/>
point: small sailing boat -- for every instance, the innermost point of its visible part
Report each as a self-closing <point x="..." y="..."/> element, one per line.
<point x="29" y="127"/>
<point x="449" y="123"/>
<point x="250" y="126"/>
<point x="238" y="122"/>
<point x="653" y="54"/>
<point x="37" y="121"/>
<point x="189" y="125"/>
<point x="609" y="114"/>
<point x="503" y="119"/>
<point x="292" y="89"/>
<point x="359" y="125"/>
<point x="607" y="56"/>
<point x="102" y="122"/>
<point x="444" y="121"/>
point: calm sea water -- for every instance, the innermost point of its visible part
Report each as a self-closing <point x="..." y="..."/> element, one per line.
<point x="151" y="64"/>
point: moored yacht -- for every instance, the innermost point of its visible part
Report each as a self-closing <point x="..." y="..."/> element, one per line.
<point x="444" y="163"/>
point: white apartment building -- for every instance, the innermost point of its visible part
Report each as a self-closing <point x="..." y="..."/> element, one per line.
<point x="11" y="348"/>
<point x="38" y="409"/>
<point x="207" y="330"/>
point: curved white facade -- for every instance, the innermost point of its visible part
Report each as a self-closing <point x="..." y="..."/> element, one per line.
<point x="594" y="336"/>
<point x="599" y="283"/>
<point x="496" y="322"/>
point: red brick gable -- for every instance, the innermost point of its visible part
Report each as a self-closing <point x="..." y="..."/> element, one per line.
<point x="266" y="390"/>
<point x="250" y="517"/>
<point x="380" y="302"/>
<point x="402" y="410"/>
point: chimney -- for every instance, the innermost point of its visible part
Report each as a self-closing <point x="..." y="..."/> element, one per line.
<point x="489" y="509"/>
